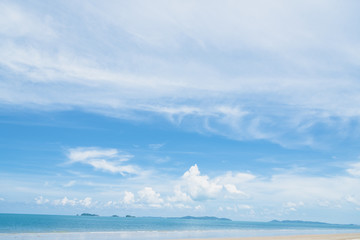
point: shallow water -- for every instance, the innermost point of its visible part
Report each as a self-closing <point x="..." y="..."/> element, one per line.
<point x="29" y="226"/>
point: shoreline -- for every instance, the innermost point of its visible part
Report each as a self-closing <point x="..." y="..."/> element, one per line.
<point x="337" y="236"/>
<point x="191" y="235"/>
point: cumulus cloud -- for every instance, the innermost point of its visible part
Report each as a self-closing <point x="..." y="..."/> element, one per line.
<point x="107" y="160"/>
<point x="41" y="200"/>
<point x="150" y="197"/>
<point x="65" y="201"/>
<point x="287" y="193"/>
<point x="199" y="187"/>
<point x="86" y="202"/>
<point x="179" y="196"/>
<point x="129" y="198"/>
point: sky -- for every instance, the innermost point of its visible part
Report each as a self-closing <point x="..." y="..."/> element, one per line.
<point x="240" y="109"/>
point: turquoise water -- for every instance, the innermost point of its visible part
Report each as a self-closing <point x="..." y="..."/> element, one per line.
<point x="24" y="226"/>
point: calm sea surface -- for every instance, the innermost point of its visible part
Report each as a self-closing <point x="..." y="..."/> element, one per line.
<point x="29" y="226"/>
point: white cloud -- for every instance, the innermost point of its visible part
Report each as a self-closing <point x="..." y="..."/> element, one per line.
<point x="41" y="200"/>
<point x="199" y="207"/>
<point x="199" y="187"/>
<point x="179" y="196"/>
<point x="65" y="201"/>
<point x="128" y="198"/>
<point x="236" y="178"/>
<point x="86" y="202"/>
<point x="70" y="183"/>
<point x="354" y="170"/>
<point x="353" y="200"/>
<point x="150" y="197"/>
<point x="243" y="206"/>
<point x="2" y="199"/>
<point x="16" y="21"/>
<point x="295" y="65"/>
<point x="290" y="192"/>
<point x="292" y="206"/>
<point x="156" y="146"/>
<point x="232" y="189"/>
<point x="110" y="204"/>
<point x="108" y="160"/>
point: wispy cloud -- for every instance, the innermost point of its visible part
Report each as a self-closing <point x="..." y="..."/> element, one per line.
<point x="354" y="169"/>
<point x="276" y="80"/>
<point x="107" y="160"/>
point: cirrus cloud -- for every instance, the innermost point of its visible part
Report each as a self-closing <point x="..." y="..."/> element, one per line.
<point x="107" y="160"/>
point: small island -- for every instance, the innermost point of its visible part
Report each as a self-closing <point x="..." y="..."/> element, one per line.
<point x="114" y="216"/>
<point x="88" y="215"/>
<point x="129" y="216"/>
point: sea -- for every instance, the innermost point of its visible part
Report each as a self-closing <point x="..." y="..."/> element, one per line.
<point x="56" y="227"/>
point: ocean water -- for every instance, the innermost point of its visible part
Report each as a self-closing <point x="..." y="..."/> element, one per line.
<point x="29" y="226"/>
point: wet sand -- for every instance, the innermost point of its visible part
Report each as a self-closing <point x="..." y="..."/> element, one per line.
<point x="343" y="236"/>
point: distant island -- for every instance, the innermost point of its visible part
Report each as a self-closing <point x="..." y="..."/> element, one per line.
<point x="115" y="216"/>
<point x="129" y="216"/>
<point x="206" y="218"/>
<point x="89" y="215"/>
<point x="308" y="222"/>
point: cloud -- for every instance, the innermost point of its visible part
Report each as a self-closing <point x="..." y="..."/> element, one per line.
<point x="353" y="200"/>
<point x="65" y="201"/>
<point x="275" y="79"/>
<point x="232" y="189"/>
<point x="150" y="197"/>
<point x="199" y="187"/>
<point x="86" y="202"/>
<point x="128" y="198"/>
<point x="244" y="206"/>
<point x="283" y="194"/>
<point x="292" y="206"/>
<point x="235" y="178"/>
<point x="107" y="160"/>
<point x="70" y="183"/>
<point x="156" y="146"/>
<point x="354" y="170"/>
<point x="17" y="22"/>
<point x="179" y="196"/>
<point x="41" y="200"/>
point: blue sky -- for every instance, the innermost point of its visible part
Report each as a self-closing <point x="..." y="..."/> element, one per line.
<point x="246" y="110"/>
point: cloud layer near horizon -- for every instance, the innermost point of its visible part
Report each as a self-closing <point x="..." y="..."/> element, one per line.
<point x="243" y="70"/>
<point x="279" y="194"/>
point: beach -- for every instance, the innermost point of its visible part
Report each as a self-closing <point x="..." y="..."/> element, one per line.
<point x="67" y="227"/>
<point x="343" y="236"/>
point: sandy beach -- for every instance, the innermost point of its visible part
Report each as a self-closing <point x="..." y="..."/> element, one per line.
<point x="345" y="236"/>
